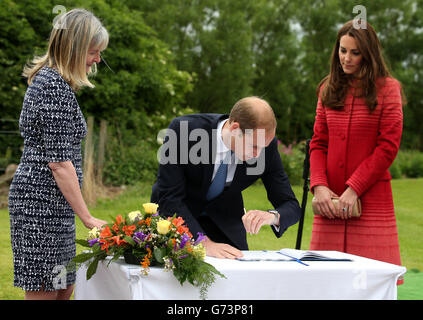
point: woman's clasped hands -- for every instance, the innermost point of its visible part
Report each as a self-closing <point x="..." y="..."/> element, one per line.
<point x="342" y="210"/>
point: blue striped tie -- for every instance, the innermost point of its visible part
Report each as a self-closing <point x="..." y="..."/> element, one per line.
<point x="218" y="183"/>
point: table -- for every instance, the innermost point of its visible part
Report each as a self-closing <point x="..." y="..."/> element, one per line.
<point x="360" y="278"/>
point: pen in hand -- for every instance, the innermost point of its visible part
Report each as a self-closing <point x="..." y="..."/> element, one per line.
<point x="245" y="212"/>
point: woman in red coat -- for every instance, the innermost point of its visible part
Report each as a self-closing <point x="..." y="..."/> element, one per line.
<point x="357" y="134"/>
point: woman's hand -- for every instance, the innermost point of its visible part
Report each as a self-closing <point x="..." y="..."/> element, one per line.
<point x="346" y="203"/>
<point x="94" y="222"/>
<point x="65" y="176"/>
<point x="322" y="196"/>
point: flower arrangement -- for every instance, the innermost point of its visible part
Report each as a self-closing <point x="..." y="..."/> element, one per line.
<point x="148" y="239"/>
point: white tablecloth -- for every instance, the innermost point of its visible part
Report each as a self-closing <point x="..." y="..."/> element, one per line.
<point x="249" y="280"/>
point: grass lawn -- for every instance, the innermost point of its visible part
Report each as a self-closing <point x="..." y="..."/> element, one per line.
<point x="408" y="206"/>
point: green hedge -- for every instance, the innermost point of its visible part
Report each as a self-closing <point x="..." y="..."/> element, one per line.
<point x="408" y="164"/>
<point x="130" y="165"/>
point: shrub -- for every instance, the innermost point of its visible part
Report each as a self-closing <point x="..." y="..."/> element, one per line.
<point x="128" y="165"/>
<point x="408" y="163"/>
<point x="293" y="161"/>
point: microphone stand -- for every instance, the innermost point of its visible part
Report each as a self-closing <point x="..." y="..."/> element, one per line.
<point x="306" y="189"/>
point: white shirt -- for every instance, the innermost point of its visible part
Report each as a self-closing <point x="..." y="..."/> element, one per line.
<point x="221" y="152"/>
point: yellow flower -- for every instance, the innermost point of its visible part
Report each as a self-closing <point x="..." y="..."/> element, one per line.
<point x="133" y="215"/>
<point x="93" y="233"/>
<point x="150" y="208"/>
<point x="163" y="226"/>
<point x="199" y="251"/>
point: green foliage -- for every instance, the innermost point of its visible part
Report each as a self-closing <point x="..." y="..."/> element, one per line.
<point x="169" y="57"/>
<point x="127" y="165"/>
<point x="407" y="164"/>
<point x="197" y="272"/>
<point x="142" y="79"/>
<point x="293" y="161"/>
<point x="281" y="50"/>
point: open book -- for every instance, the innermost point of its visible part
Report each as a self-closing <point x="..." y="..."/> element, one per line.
<point x="286" y="255"/>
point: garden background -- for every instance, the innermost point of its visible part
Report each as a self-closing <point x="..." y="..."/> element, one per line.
<point x="172" y="57"/>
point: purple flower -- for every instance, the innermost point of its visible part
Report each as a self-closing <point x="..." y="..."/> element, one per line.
<point x="200" y="238"/>
<point x="92" y="242"/>
<point x="139" y="237"/>
<point x="184" y="240"/>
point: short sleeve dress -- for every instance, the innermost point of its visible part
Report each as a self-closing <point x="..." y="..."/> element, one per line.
<point x="42" y="223"/>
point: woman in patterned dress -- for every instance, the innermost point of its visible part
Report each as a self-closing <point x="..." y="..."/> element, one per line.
<point x="45" y="192"/>
<point x="357" y="133"/>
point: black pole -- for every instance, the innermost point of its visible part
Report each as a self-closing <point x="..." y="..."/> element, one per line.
<point x="306" y="171"/>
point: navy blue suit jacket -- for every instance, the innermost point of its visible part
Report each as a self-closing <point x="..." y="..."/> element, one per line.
<point x="181" y="187"/>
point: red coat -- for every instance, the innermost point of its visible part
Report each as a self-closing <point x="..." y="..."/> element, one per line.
<point x="355" y="147"/>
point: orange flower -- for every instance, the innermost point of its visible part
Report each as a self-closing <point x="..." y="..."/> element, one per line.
<point x="119" y="220"/>
<point x="115" y="228"/>
<point x="105" y="232"/>
<point x="104" y="245"/>
<point x="117" y="240"/>
<point x="145" y="262"/>
<point x="184" y="229"/>
<point x="178" y="221"/>
<point x="129" y="230"/>
<point x="148" y="221"/>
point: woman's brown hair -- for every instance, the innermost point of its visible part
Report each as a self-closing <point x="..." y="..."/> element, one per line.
<point x="373" y="68"/>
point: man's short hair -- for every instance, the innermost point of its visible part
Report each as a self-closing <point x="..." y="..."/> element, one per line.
<point x="253" y="113"/>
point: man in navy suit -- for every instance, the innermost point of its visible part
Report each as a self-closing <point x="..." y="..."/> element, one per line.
<point x="207" y="160"/>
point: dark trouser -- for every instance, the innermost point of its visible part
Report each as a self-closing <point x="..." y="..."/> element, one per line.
<point x="213" y="232"/>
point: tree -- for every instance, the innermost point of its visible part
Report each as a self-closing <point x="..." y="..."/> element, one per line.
<point x="142" y="84"/>
<point x="212" y="39"/>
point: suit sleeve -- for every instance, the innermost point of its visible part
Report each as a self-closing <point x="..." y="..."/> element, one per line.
<point x="279" y="191"/>
<point x="171" y="182"/>
<point x="387" y="143"/>
<point x="319" y="149"/>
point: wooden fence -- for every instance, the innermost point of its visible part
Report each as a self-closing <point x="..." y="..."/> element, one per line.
<point x="94" y="155"/>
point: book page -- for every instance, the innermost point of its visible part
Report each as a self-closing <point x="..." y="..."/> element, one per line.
<point x="263" y="256"/>
<point x="300" y="254"/>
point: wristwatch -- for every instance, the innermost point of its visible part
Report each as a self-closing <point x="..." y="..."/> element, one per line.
<point x="276" y="214"/>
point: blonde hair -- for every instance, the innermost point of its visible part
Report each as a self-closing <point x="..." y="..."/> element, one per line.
<point x="74" y="33"/>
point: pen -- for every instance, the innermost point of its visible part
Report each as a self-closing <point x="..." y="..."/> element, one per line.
<point x="298" y="260"/>
<point x="245" y="212"/>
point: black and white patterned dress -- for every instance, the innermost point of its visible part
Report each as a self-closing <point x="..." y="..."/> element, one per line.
<point x="42" y="222"/>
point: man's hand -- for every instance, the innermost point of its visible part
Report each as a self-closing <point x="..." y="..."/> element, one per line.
<point x="254" y="219"/>
<point x="221" y="250"/>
